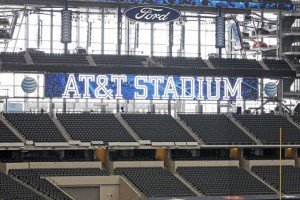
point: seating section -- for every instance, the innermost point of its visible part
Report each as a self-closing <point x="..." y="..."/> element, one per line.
<point x="182" y="62"/>
<point x="215" y="129"/>
<point x="36" y="178"/>
<point x="290" y="177"/>
<point x="157" y="128"/>
<point x="155" y="182"/>
<point x="11" y="57"/>
<point x="73" y="59"/>
<point x="35" y="126"/>
<point x="11" y="189"/>
<point x="119" y="60"/>
<point x="6" y="135"/>
<point x="296" y="118"/>
<point x="277" y="64"/>
<point x="266" y="128"/>
<point x="88" y="127"/>
<point x="213" y="181"/>
<point x="235" y="63"/>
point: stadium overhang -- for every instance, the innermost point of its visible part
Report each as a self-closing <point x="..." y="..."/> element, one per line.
<point x="8" y="67"/>
<point x="212" y="5"/>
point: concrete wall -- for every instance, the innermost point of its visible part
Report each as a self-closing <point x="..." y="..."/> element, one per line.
<point x="127" y="192"/>
<point x="247" y="164"/>
<point x="16" y="166"/>
<point x="207" y="163"/>
<point x="297" y="162"/>
<point x="3" y="167"/>
<point x="28" y="165"/>
<point x="95" y="164"/>
<point x="271" y="162"/>
<point x="83" y="193"/>
<point x="108" y="186"/>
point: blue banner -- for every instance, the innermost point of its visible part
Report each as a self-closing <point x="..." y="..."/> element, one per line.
<point x="214" y="3"/>
<point x="150" y="87"/>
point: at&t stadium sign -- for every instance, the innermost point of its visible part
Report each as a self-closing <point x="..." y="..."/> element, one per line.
<point x="112" y="86"/>
<point x="152" y="14"/>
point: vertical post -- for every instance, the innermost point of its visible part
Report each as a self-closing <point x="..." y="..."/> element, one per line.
<point x="39" y="32"/>
<point x="64" y="105"/>
<point x="280" y="95"/>
<point x="102" y="31"/>
<point x="261" y="96"/>
<point x="38" y="92"/>
<point x="169" y="107"/>
<point x="27" y="32"/>
<point x="78" y="33"/>
<point x="6" y="105"/>
<point x="119" y="30"/>
<point x="279" y="35"/>
<point x="127" y="39"/>
<point x="199" y="36"/>
<point x="117" y="106"/>
<point x="171" y="32"/>
<point x="51" y="31"/>
<point x="151" y="39"/>
<point x="66" y="44"/>
<point x="280" y="163"/>
<point x="220" y="15"/>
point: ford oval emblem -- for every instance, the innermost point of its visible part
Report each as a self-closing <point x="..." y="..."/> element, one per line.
<point x="152" y="14"/>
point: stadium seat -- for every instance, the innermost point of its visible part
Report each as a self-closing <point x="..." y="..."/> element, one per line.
<point x="157" y="128"/>
<point x="88" y="127"/>
<point x="35" y="126"/>
<point x="216" y="181"/>
<point x="155" y="182"/>
<point x="215" y="129"/>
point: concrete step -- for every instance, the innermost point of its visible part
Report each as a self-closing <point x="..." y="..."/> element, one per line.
<point x="127" y="127"/>
<point x="62" y="129"/>
<point x="209" y="65"/>
<point x="264" y="66"/>
<point x="233" y="120"/>
<point x="189" y="130"/>
<point x="188" y="185"/>
<point x="55" y="185"/>
<point x="90" y="60"/>
<point x="13" y="129"/>
<point x="31" y="187"/>
<point x="290" y="119"/>
<point x="28" y="59"/>
<point x="261" y="180"/>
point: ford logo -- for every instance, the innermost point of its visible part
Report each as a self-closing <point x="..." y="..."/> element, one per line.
<point x="152" y="14"/>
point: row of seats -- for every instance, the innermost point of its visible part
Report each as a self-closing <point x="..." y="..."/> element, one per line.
<point x="35" y="178"/>
<point x="159" y="182"/>
<point x="88" y="127"/>
<point x="106" y="60"/>
<point x="277" y="64"/>
<point x="157" y="128"/>
<point x="211" y="128"/>
<point x="215" y="181"/>
<point x="290" y="177"/>
<point x="11" y="189"/>
<point x="6" y="135"/>
<point x="155" y="182"/>
<point x="74" y="59"/>
<point x="11" y="57"/>
<point x="37" y="127"/>
<point x="215" y="129"/>
<point x="266" y="128"/>
<point x="184" y="62"/>
<point x="234" y="63"/>
<point x="119" y="60"/>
